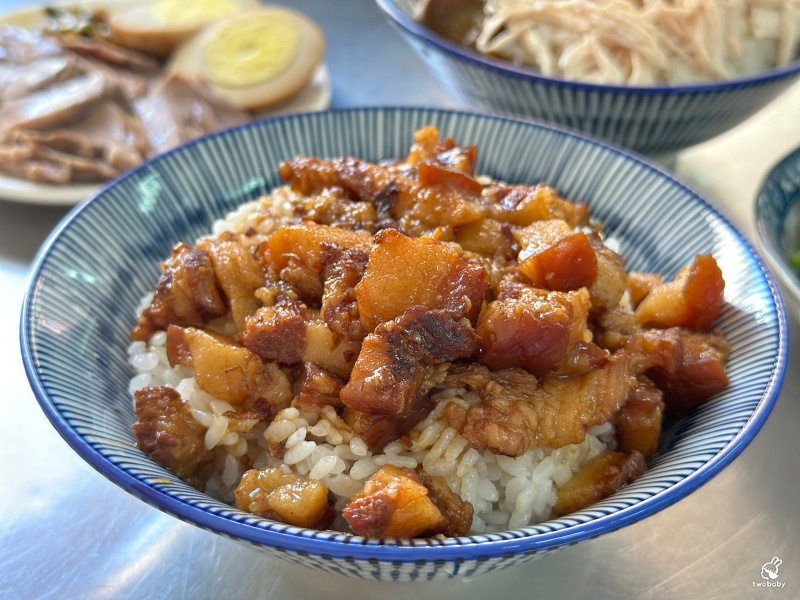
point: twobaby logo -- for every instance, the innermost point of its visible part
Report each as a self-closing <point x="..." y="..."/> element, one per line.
<point x="769" y="572"/>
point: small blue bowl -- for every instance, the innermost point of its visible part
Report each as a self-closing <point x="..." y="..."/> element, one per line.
<point x="657" y="121"/>
<point x="778" y="225"/>
<point x="89" y="276"/>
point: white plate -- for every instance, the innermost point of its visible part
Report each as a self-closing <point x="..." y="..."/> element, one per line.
<point x="316" y="96"/>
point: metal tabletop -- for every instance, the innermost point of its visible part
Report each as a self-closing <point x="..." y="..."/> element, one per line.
<point x="67" y="532"/>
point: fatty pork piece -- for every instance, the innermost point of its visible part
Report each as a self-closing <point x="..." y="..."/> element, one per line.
<point x="638" y="422"/>
<point x="186" y="294"/>
<point x="390" y="370"/>
<point x="229" y="371"/>
<point x="297" y="255"/>
<point x="287" y="498"/>
<point x="290" y="333"/>
<point x="522" y="205"/>
<point x="558" y="257"/>
<point x="343" y="269"/>
<point x="600" y="477"/>
<point x="394" y="502"/>
<point x="315" y="387"/>
<point x="700" y="373"/>
<point x="172" y="437"/>
<point x="516" y="412"/>
<point x="687" y="365"/>
<point x="237" y="272"/>
<point x="538" y="330"/>
<point x="693" y="299"/>
<point x="403" y="272"/>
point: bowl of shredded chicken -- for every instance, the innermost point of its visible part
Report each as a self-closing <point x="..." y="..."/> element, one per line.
<point x="416" y="349"/>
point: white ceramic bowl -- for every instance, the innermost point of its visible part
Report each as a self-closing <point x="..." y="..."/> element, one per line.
<point x="89" y="277"/>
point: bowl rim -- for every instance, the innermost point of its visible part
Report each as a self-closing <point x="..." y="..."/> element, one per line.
<point x="768" y="243"/>
<point x="404" y="21"/>
<point x="319" y="543"/>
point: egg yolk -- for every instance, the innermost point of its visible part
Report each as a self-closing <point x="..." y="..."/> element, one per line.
<point x="250" y="51"/>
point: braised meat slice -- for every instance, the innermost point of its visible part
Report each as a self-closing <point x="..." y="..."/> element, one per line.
<point x="168" y="432"/>
<point x="186" y="294"/>
<point x="390" y="369"/>
<point x="516" y="412"/>
<point x="283" y="497"/>
<point x="403" y="272"/>
<point x="600" y="477"/>
<point x="394" y="503"/>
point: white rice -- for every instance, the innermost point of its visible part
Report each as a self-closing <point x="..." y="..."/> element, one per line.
<point x="506" y="492"/>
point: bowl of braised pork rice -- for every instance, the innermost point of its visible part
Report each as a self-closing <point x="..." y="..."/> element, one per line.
<point x="403" y="344"/>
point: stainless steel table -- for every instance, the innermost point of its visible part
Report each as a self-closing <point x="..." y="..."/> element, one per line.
<point x="67" y="532"/>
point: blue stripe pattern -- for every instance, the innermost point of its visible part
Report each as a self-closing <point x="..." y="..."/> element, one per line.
<point x="656" y="120"/>
<point x="90" y="274"/>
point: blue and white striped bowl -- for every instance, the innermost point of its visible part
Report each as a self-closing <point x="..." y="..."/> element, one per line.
<point x="89" y="276"/>
<point x="777" y="216"/>
<point x="657" y="120"/>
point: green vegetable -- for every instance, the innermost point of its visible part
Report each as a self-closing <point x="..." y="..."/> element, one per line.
<point x="794" y="260"/>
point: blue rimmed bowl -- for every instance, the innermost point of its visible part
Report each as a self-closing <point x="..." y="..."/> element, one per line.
<point x="657" y="120"/>
<point x="89" y="276"/>
<point x="777" y="215"/>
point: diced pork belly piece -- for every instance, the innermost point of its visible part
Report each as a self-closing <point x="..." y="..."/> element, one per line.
<point x="291" y="499"/>
<point x="390" y="369"/>
<point x="416" y="208"/>
<point x="291" y="333"/>
<point x="555" y="256"/>
<point x="609" y="286"/>
<point x="186" y="294"/>
<point x="516" y="412"/>
<point x="428" y="148"/>
<point x="378" y="430"/>
<point x="700" y="374"/>
<point x="638" y="422"/>
<point x="403" y="272"/>
<point x="538" y="330"/>
<point x="600" y="477"/>
<point x="168" y="432"/>
<point x="522" y="205"/>
<point x="237" y="271"/>
<point x="457" y="513"/>
<point x="316" y="386"/>
<point x="343" y="269"/>
<point x="394" y="503"/>
<point x="227" y="370"/>
<point x="693" y="299"/>
<point x="488" y="237"/>
<point x="641" y="284"/>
